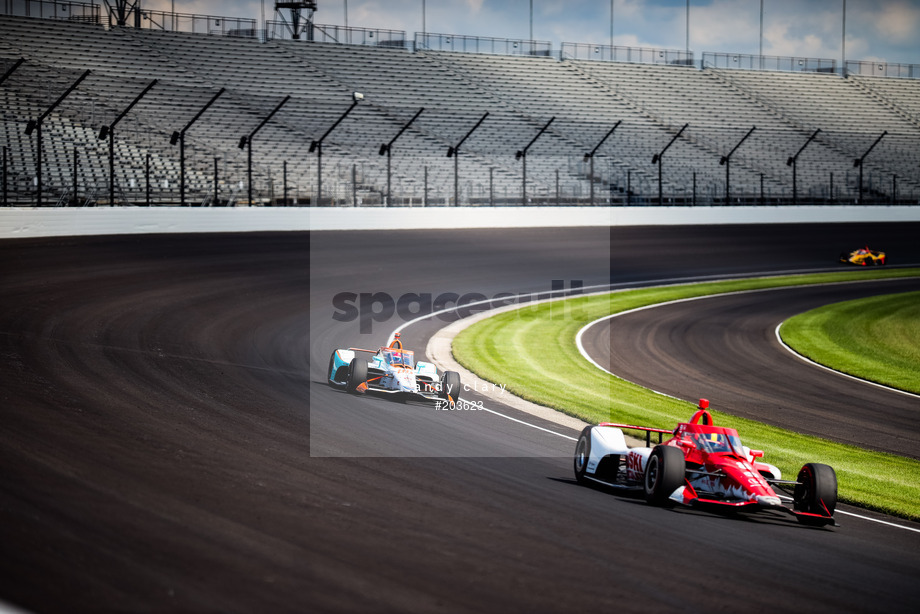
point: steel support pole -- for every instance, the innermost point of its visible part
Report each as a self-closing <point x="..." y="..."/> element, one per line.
<point x="111" y="131"/>
<point x="182" y="169"/>
<point x="247" y="140"/>
<point x="524" y="184"/>
<point x="38" y="166"/>
<point x="628" y="186"/>
<point x="728" y="181"/>
<point x="523" y="155"/>
<point x="591" y="180"/>
<point x="317" y="145"/>
<point x="6" y="170"/>
<point x="859" y="162"/>
<point x="38" y="125"/>
<point x="76" y="169"/>
<point x="319" y="175"/>
<point x="727" y="161"/>
<point x="596" y="147"/>
<point x="181" y="138"/>
<point x="455" y="151"/>
<point x="557" y="187"/>
<point x="388" y="148"/>
<point x="793" y="161"/>
<point x="658" y="158"/>
<point x="111" y="168"/>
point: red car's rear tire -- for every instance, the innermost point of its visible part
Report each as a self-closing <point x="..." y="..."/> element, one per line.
<point x="582" y="454"/>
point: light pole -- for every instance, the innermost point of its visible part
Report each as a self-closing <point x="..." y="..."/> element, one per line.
<point x="36" y="125"/>
<point x="522" y="155"/>
<point x="658" y="157"/>
<point x="859" y="162"/>
<point x="793" y="162"/>
<point x="590" y="156"/>
<point x="179" y="137"/>
<point x="215" y="201"/>
<point x="843" y="42"/>
<point x="110" y="132"/>
<point x="317" y="146"/>
<point x="386" y="148"/>
<point x="6" y="76"/>
<point x="726" y="161"/>
<point x="454" y="152"/>
<point x="247" y="141"/>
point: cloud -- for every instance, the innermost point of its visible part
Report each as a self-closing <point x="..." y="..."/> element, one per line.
<point x="895" y="21"/>
<point x="876" y="29"/>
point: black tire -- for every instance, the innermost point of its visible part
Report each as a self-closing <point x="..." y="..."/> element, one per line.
<point x="330" y="378"/>
<point x="451" y="381"/>
<point x="582" y="454"/>
<point x="664" y="473"/>
<point x="816" y="491"/>
<point x="357" y="373"/>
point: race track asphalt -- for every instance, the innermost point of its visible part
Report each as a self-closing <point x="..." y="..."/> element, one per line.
<point x="168" y="444"/>
<point x="725" y="349"/>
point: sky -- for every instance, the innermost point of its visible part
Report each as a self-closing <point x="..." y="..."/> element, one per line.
<point x="876" y="30"/>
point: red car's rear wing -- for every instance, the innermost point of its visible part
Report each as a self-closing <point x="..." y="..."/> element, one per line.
<point x="648" y="430"/>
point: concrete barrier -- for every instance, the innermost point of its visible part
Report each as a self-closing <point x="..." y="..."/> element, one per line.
<point x="19" y="222"/>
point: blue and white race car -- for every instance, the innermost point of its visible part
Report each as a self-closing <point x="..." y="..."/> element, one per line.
<point x="392" y="370"/>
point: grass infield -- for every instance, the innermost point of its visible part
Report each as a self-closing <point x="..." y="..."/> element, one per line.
<point x="532" y="351"/>
<point x="875" y="338"/>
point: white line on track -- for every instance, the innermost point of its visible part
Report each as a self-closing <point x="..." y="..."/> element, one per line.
<point x="525" y="423"/>
<point x="840" y="373"/>
<point x="581" y="350"/>
<point x="608" y="288"/>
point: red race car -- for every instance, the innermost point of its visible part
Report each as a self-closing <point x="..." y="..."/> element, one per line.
<point x="705" y="466"/>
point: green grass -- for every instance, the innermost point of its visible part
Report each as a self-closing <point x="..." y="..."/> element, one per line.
<point x="875" y="338"/>
<point x="532" y="351"/>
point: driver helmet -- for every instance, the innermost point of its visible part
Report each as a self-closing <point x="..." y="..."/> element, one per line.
<point x="717" y="441"/>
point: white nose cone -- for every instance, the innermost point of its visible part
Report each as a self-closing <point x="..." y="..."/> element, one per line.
<point x="768" y="501"/>
<point x="405" y="382"/>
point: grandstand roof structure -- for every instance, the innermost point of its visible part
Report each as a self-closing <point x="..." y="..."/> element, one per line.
<point x="845" y="115"/>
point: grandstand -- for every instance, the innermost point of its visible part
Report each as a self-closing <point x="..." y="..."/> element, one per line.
<point x="520" y="84"/>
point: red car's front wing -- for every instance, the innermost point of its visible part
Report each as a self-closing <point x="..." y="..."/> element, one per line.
<point x="687" y="495"/>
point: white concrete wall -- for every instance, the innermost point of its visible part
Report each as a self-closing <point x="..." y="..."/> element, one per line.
<point x="18" y="222"/>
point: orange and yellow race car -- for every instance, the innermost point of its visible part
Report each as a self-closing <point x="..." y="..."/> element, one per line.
<point x="863" y="257"/>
